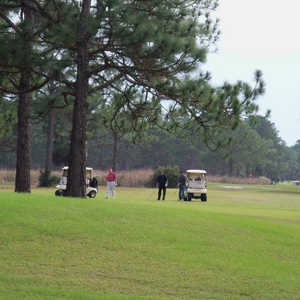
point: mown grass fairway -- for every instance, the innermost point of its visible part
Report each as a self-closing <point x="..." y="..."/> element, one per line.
<point x="241" y="244"/>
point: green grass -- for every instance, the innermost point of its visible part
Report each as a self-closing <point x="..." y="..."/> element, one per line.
<point x="242" y="244"/>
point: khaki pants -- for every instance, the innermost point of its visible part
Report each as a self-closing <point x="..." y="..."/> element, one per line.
<point x="110" y="189"/>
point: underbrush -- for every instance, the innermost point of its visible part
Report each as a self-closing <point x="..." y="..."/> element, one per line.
<point x="132" y="178"/>
<point x="239" y="180"/>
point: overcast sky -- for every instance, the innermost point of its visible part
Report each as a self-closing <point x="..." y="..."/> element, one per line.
<point x="264" y="35"/>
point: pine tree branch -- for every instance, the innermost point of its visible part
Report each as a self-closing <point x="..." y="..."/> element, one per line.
<point x="10" y="23"/>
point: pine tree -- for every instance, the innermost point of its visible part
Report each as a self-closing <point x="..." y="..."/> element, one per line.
<point x="23" y="63"/>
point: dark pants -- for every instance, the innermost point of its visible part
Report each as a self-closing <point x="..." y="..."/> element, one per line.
<point x="181" y="192"/>
<point x="161" y="188"/>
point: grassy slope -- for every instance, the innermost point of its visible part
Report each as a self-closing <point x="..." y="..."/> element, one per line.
<point x="241" y="244"/>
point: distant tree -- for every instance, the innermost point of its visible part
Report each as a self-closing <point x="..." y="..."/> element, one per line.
<point x="248" y="151"/>
<point x="275" y="164"/>
<point x="48" y="104"/>
<point x="8" y="122"/>
<point x="129" y="115"/>
<point x="296" y="165"/>
<point x="265" y="128"/>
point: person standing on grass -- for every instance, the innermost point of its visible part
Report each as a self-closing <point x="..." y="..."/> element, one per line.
<point x="162" y="183"/>
<point x="111" y="181"/>
<point x="181" y="186"/>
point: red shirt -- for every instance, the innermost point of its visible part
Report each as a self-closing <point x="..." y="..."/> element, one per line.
<point x="111" y="176"/>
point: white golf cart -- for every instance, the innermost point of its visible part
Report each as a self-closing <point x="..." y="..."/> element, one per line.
<point x="195" y="185"/>
<point x="91" y="183"/>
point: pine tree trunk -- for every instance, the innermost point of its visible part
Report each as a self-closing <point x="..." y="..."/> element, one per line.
<point x="231" y="166"/>
<point x="23" y="164"/>
<point x="126" y="162"/>
<point x="76" y="185"/>
<point x="50" y="138"/>
<point x="100" y="155"/>
<point x="115" y="150"/>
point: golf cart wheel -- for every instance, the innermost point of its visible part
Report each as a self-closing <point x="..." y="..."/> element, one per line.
<point x="59" y="193"/>
<point x="203" y="197"/>
<point x="189" y="197"/>
<point x="92" y="194"/>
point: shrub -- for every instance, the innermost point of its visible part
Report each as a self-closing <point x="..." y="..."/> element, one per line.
<point x="46" y="180"/>
<point x="172" y="174"/>
<point x="7" y="176"/>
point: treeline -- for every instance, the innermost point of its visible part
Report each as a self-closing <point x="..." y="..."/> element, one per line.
<point x="254" y="149"/>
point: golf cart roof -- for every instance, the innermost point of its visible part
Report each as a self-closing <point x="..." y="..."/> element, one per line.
<point x="87" y="168"/>
<point x="196" y="171"/>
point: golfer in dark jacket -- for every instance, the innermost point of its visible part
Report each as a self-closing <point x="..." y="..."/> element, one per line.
<point x="162" y="183"/>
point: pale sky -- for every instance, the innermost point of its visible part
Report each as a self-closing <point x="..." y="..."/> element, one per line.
<point x="264" y="35"/>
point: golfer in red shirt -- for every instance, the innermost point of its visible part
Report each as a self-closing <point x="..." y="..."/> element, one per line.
<point x="111" y="180"/>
